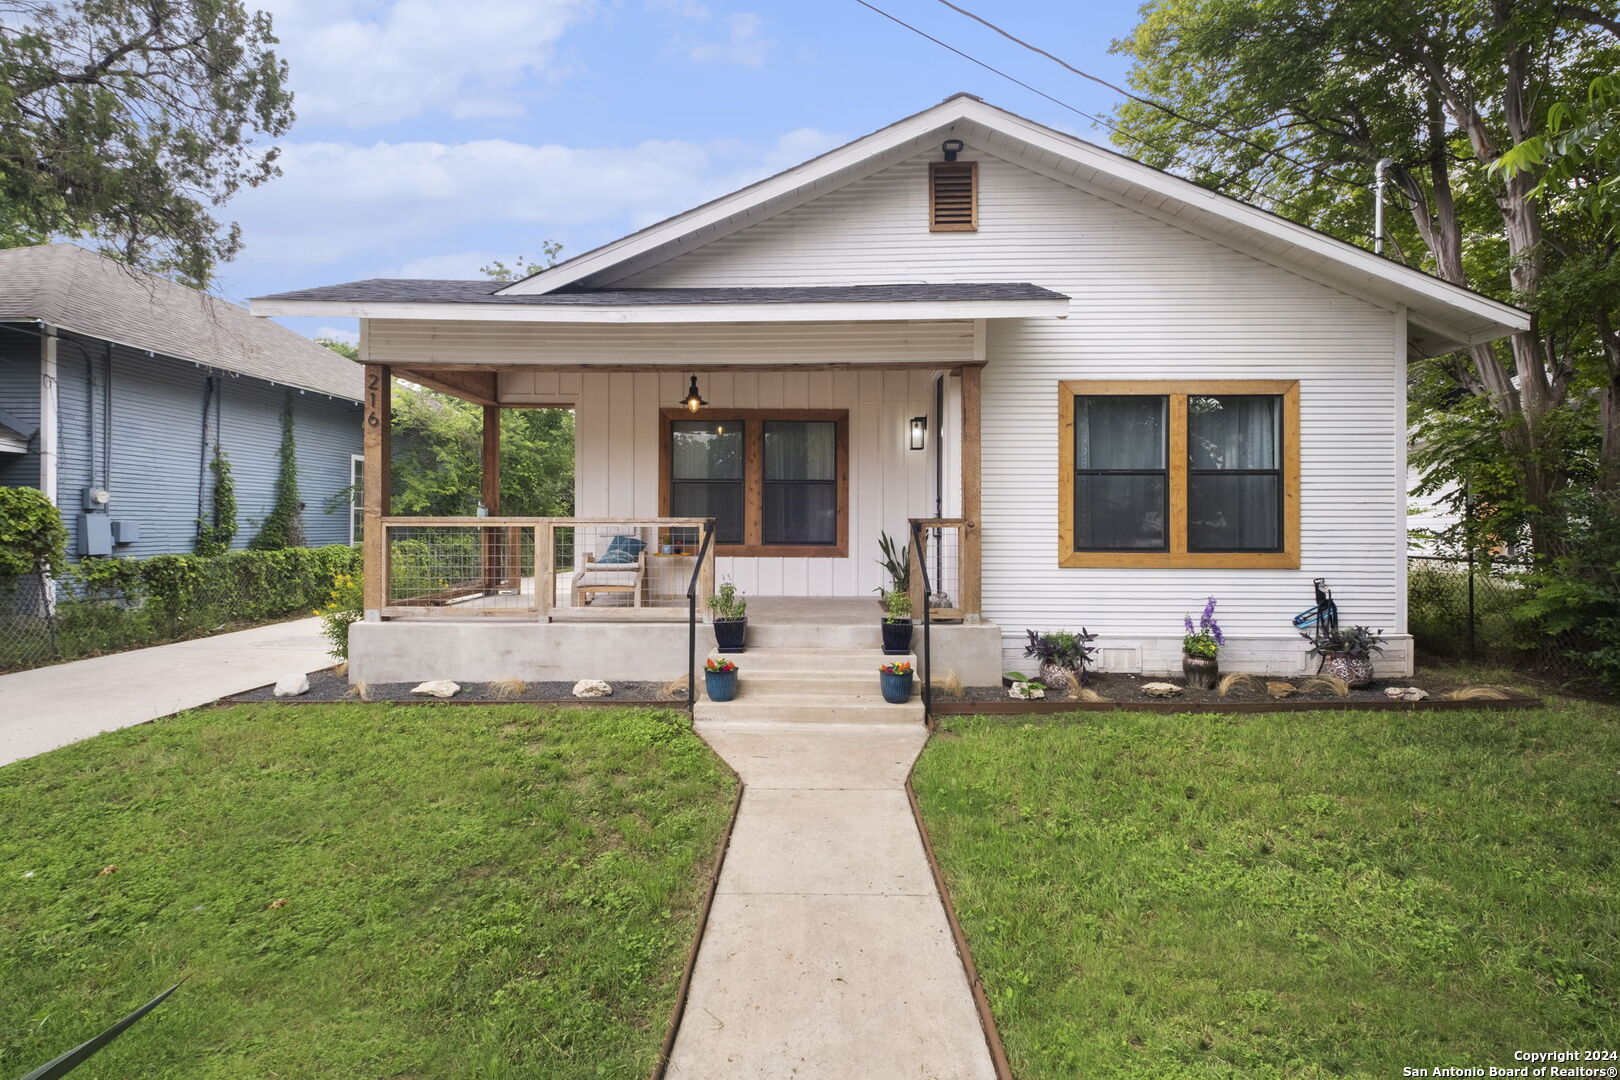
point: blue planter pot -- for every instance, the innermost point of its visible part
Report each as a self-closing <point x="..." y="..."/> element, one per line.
<point x="896" y="688"/>
<point x="720" y="685"/>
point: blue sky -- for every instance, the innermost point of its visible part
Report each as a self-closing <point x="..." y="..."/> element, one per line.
<point x="435" y="136"/>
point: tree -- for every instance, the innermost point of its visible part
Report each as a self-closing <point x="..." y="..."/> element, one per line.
<point x="1289" y="104"/>
<point x="523" y="267"/>
<point x="125" y="121"/>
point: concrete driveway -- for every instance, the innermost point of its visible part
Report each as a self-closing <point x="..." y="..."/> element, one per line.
<point x="53" y="706"/>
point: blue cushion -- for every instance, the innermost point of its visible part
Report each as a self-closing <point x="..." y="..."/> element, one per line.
<point x="630" y="545"/>
<point x="620" y="556"/>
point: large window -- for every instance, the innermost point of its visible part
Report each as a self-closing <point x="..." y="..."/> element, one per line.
<point x="1179" y="474"/>
<point x="775" y="481"/>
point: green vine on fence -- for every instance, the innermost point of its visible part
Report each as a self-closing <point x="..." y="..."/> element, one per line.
<point x="214" y="538"/>
<point x="284" y="528"/>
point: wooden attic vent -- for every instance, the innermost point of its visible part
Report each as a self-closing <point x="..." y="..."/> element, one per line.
<point x="953" y="196"/>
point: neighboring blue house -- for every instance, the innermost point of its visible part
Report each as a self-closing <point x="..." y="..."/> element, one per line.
<point x="145" y="375"/>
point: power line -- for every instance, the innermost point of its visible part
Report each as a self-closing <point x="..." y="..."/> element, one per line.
<point x="1171" y="155"/>
<point x="1166" y="109"/>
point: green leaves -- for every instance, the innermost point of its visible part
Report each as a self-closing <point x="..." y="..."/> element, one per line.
<point x="32" y="537"/>
<point x="124" y="122"/>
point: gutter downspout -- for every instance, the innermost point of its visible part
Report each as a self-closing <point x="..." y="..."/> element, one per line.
<point x="48" y="433"/>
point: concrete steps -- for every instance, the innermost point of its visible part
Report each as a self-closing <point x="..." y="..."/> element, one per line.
<point x="809" y="686"/>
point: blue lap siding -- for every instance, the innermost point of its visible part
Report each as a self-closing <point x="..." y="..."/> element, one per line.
<point x="141" y="435"/>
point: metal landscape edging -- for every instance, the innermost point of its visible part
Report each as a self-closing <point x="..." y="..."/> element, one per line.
<point x="981" y="1001"/>
<point x="678" y="1011"/>
<point x="1013" y="708"/>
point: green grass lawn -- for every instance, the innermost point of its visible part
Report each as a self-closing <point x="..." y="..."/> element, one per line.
<point x="1286" y="894"/>
<point x="358" y="891"/>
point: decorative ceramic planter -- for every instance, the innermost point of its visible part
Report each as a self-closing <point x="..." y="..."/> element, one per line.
<point x="1356" y="671"/>
<point x="896" y="637"/>
<point x="720" y="685"/>
<point x="896" y="688"/>
<point x="1202" y="672"/>
<point x="1059" y="679"/>
<point x="730" y="635"/>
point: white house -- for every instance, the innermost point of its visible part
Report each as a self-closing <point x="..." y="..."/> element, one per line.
<point x="1129" y="393"/>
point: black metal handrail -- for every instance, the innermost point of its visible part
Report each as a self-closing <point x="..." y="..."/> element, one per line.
<point x="691" y="614"/>
<point x="927" y="658"/>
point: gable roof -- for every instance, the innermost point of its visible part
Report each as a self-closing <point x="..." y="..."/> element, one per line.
<point x="92" y="295"/>
<point x="1441" y="316"/>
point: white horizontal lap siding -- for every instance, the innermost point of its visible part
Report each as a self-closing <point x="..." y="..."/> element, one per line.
<point x="403" y="341"/>
<point x="1150" y="301"/>
<point x="616" y="466"/>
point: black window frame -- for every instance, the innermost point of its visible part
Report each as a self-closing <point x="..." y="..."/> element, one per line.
<point x="675" y="483"/>
<point x="1281" y="457"/>
<point x="1163" y="473"/>
<point x="766" y="483"/>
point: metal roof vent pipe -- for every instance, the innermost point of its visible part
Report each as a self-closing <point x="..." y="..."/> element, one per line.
<point x="1380" y="170"/>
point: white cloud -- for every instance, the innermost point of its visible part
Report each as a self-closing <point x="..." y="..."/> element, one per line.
<point x="390" y="201"/>
<point x="361" y="62"/>
<point x="452" y="266"/>
<point x="741" y="44"/>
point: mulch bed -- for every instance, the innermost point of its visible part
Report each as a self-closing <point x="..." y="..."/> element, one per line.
<point x="326" y="686"/>
<point x="1125" y="691"/>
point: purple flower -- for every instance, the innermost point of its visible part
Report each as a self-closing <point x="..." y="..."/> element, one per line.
<point x="1188" y="620"/>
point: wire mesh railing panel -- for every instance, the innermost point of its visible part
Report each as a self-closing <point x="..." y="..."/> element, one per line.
<point x="939" y="549"/>
<point x="485" y="567"/>
<point x="602" y="566"/>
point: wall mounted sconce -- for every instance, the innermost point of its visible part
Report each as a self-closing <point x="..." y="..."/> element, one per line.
<point x="693" y="401"/>
<point x="919" y="432"/>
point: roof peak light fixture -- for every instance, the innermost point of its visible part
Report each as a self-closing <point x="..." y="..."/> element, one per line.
<point x="693" y="401"/>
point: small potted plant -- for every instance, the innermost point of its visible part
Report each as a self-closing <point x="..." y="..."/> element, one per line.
<point x="896" y="623"/>
<point x="1063" y="656"/>
<point x="1347" y="652"/>
<point x="895" y="679"/>
<point x="1199" y="648"/>
<point x="720" y="678"/>
<point x="730" y="613"/>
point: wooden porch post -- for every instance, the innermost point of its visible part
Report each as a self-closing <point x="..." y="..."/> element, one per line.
<point x="378" y="420"/>
<point x="971" y="509"/>
<point x="490" y="472"/>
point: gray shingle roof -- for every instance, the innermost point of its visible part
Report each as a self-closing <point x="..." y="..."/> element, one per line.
<point x="413" y="290"/>
<point x="77" y="289"/>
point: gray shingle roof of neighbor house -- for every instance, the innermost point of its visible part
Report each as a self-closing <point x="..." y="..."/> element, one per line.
<point x="78" y="290"/>
<point x="407" y="290"/>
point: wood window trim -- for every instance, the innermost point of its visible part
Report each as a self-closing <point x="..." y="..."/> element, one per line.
<point x="972" y="170"/>
<point x="1178" y="557"/>
<point x="753" y="545"/>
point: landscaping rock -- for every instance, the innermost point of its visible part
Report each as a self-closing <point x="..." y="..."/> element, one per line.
<point x="1022" y="691"/>
<point x="589" y="688"/>
<point x="1161" y="689"/>
<point x="440" y="688"/>
<point x="1405" y="693"/>
<point x="1279" y="689"/>
<point x="291" y="685"/>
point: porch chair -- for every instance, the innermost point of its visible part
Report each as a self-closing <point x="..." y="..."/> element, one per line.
<point x="621" y="569"/>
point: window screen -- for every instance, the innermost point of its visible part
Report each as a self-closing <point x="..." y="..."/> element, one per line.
<point x="706" y="474"/>
<point x="1121" y="481"/>
<point x="800" y="482"/>
<point x="1234" y="474"/>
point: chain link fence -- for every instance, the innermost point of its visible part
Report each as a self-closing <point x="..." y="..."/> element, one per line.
<point x="1464" y="608"/>
<point x="182" y="597"/>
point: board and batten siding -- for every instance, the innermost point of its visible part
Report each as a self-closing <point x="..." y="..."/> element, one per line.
<point x="1151" y="300"/>
<point x="616" y="428"/>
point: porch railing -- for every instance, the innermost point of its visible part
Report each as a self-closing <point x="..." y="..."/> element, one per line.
<point x="543" y="568"/>
<point x="938" y="547"/>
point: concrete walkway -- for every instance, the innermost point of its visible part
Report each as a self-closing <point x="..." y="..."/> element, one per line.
<point x="827" y="954"/>
<point x="53" y="706"/>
